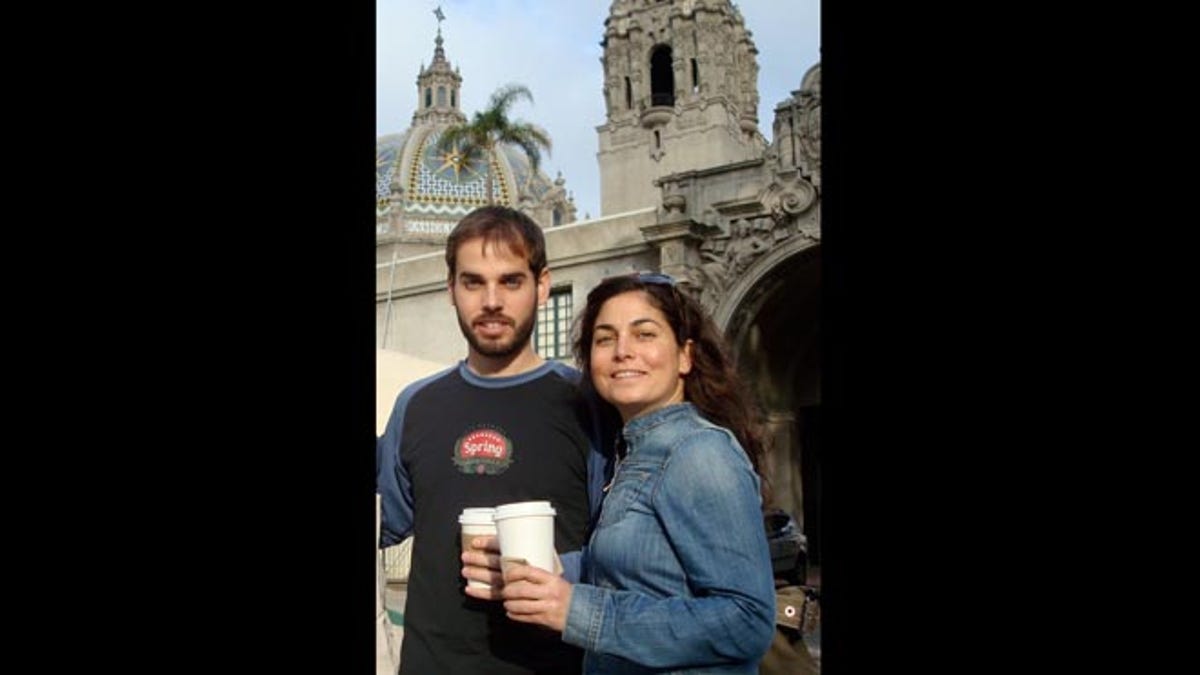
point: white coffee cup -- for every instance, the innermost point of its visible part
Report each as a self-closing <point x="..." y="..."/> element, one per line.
<point x="476" y="522"/>
<point x="526" y="533"/>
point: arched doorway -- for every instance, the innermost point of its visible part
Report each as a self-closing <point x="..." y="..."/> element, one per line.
<point x="772" y="318"/>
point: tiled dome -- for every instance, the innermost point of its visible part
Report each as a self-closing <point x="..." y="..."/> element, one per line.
<point x="422" y="192"/>
<point x="435" y="186"/>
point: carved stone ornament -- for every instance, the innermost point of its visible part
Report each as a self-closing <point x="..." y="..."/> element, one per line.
<point x="808" y="124"/>
<point x="790" y="199"/>
<point x="810" y="136"/>
<point x="674" y="202"/>
<point x="725" y="258"/>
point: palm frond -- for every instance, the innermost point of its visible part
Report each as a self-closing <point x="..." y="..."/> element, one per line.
<point x="452" y="136"/>
<point x="491" y="126"/>
<point x="505" y="96"/>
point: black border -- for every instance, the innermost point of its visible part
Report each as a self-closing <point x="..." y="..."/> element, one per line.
<point x="231" y="338"/>
<point x="943" y="225"/>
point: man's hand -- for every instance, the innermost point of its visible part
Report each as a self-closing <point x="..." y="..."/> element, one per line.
<point x="482" y="563"/>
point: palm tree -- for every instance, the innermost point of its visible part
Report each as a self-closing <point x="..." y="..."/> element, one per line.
<point x="491" y="127"/>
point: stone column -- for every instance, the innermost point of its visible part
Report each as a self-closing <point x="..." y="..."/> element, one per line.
<point x="676" y="235"/>
<point x="783" y="464"/>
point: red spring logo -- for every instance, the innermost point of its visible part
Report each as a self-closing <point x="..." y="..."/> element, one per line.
<point x="483" y="451"/>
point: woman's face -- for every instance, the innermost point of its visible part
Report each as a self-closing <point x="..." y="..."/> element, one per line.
<point x="636" y="364"/>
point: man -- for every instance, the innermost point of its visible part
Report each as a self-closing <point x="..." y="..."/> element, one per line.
<point x="542" y="440"/>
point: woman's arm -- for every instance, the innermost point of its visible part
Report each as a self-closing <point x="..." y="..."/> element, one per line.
<point x="708" y="502"/>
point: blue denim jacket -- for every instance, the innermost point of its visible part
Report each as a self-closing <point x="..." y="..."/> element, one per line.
<point x="677" y="573"/>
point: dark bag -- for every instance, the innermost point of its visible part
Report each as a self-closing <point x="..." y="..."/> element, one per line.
<point x="797" y="613"/>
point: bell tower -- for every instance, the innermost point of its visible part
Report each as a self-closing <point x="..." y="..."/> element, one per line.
<point x="680" y="92"/>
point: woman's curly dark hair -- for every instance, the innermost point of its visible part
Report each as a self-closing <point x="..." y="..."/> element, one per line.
<point x="713" y="385"/>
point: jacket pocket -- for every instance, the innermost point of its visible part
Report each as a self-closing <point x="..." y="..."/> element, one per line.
<point x="629" y="484"/>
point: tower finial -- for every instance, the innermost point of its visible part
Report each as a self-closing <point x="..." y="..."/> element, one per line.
<point x="438" y="54"/>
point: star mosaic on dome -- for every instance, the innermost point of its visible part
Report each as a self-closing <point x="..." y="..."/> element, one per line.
<point x="452" y="165"/>
<point x="453" y="160"/>
<point x="445" y="177"/>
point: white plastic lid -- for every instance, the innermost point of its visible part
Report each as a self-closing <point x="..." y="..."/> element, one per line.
<point x="520" y="509"/>
<point x="474" y="516"/>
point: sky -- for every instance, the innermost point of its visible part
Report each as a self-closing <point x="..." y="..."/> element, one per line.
<point x="553" y="48"/>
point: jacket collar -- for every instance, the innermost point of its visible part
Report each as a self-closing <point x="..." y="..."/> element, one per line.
<point x="639" y="426"/>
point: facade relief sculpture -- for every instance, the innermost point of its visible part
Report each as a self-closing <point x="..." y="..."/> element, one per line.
<point x="798" y="125"/>
<point x="710" y="235"/>
<point x="724" y="259"/>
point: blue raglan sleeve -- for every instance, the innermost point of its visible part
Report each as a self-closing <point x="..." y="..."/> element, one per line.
<point x="391" y="478"/>
<point x="601" y="427"/>
<point x="602" y="437"/>
<point x="572" y="562"/>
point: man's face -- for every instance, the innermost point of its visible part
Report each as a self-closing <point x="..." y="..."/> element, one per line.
<point x="496" y="298"/>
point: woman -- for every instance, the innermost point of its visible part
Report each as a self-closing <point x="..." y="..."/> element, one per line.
<point x="677" y="574"/>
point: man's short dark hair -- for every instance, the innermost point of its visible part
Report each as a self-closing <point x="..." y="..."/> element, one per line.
<point x="496" y="225"/>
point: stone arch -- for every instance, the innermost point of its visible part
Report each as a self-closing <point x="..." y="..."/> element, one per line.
<point x="738" y="293"/>
<point x="771" y="318"/>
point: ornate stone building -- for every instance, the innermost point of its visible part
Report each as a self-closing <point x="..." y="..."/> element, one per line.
<point x="422" y="192"/>
<point x="680" y="91"/>
<point x="690" y="187"/>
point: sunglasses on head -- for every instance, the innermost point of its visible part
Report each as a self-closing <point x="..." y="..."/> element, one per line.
<point x="655" y="278"/>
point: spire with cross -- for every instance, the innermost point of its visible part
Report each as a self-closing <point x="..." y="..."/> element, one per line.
<point x="437" y="52"/>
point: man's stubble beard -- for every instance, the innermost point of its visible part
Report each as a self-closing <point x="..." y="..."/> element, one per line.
<point x="522" y="332"/>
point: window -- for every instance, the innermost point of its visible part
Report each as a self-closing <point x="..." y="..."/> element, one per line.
<point x="428" y="97"/>
<point x="552" y="335"/>
<point x="695" y="76"/>
<point x="556" y="218"/>
<point x="662" y="78"/>
<point x="441" y="97"/>
<point x="453" y="103"/>
<point x="628" y="94"/>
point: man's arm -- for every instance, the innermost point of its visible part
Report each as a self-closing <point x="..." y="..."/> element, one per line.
<point x="572" y="564"/>
<point x="391" y="478"/>
<point x="394" y="488"/>
<point x="603" y="431"/>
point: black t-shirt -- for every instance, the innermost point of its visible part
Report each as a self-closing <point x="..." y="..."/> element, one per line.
<point x="480" y="443"/>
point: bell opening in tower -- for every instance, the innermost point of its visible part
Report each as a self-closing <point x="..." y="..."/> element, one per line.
<point x="662" y="78"/>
